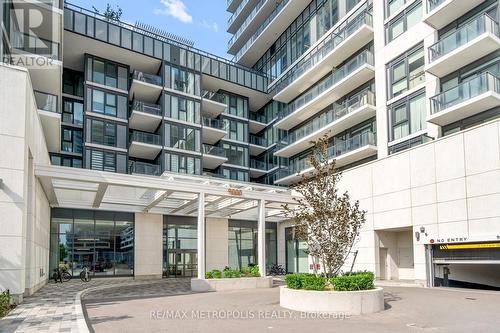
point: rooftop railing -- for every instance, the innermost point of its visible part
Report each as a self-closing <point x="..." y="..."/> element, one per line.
<point x="463" y="35"/>
<point x="465" y="91"/>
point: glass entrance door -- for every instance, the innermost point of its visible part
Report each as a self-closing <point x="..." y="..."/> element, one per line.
<point x="182" y="263"/>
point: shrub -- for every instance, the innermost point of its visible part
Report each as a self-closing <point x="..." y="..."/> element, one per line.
<point x="216" y="274"/>
<point x="353" y="281"/>
<point x="231" y="273"/>
<point x="305" y="281"/>
<point x="4" y="303"/>
<point x="209" y="275"/>
<point x="293" y="281"/>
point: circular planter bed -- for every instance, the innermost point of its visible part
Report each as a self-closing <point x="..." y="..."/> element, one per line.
<point x="200" y="285"/>
<point x="348" y="302"/>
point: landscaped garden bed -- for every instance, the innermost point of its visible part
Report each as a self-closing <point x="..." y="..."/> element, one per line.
<point x="231" y="279"/>
<point x="352" y="294"/>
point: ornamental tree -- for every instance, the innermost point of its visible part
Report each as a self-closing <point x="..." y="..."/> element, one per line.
<point x="327" y="220"/>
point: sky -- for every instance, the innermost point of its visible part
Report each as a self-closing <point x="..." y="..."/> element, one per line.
<point x="202" y="21"/>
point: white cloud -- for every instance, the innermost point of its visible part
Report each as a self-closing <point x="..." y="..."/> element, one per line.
<point x="210" y="25"/>
<point x="176" y="9"/>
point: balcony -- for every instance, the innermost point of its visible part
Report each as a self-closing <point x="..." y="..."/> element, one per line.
<point x="213" y="130"/>
<point x="256" y="122"/>
<point x="340" y="82"/>
<point x="268" y="31"/>
<point x="467" y="99"/>
<point x="340" y="117"/>
<point x="142" y="168"/>
<point x="239" y="15"/>
<point x="50" y="117"/>
<point x="258" y="168"/>
<point x="212" y="103"/>
<point x="338" y="46"/>
<point x="144" y="145"/>
<point x="146" y="87"/>
<point x="213" y="156"/>
<point x="258" y="145"/>
<point x="439" y="13"/>
<point x="346" y="152"/>
<point x="232" y="5"/>
<point x="469" y="43"/>
<point x="145" y="116"/>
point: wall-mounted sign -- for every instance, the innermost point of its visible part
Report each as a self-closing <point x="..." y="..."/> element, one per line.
<point x="462" y="239"/>
<point x="235" y="191"/>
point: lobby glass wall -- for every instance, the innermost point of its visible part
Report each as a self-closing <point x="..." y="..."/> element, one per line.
<point x="102" y="241"/>
<point x="296" y="257"/>
<point x="180" y="256"/>
<point x="242" y="242"/>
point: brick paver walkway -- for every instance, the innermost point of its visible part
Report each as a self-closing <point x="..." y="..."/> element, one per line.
<point x="57" y="307"/>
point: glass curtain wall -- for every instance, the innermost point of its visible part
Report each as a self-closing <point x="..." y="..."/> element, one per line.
<point x="102" y="241"/>
<point x="295" y="253"/>
<point x="180" y="247"/>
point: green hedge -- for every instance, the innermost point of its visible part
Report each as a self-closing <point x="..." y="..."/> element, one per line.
<point x="233" y="273"/>
<point x="346" y="282"/>
<point x="4" y="303"/>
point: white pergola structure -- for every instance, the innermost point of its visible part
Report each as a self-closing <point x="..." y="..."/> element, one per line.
<point x="169" y="194"/>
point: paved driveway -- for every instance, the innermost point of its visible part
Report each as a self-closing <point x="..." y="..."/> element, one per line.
<point x="407" y="310"/>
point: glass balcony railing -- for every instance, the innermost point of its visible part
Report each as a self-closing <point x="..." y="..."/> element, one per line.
<point x="259" y="165"/>
<point x="46" y="102"/>
<point x="237" y="12"/>
<point x="258" y="141"/>
<point x="462" y="36"/>
<point x="260" y="118"/>
<point x="245" y="23"/>
<point x="144" y="137"/>
<point x="337" y="111"/>
<point x="335" y="151"/>
<point x="319" y="52"/>
<point x="214" y="150"/>
<point x="364" y="58"/>
<point x="214" y="123"/>
<point x="261" y="29"/>
<point x="144" y="168"/>
<point x="463" y="92"/>
<point x="148" y="78"/>
<point x="34" y="45"/>
<point x="149" y="108"/>
<point x="433" y="4"/>
<point x="213" y="96"/>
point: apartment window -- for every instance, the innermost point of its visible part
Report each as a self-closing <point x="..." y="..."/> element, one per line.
<point x="67" y="161"/>
<point x="103" y="161"/>
<point x="182" y="109"/>
<point x="236" y="130"/>
<point x="326" y="17"/>
<point x="392" y="6"/>
<point x="182" y="80"/>
<point x="236" y="155"/>
<point x="237" y="106"/>
<point x="107" y="103"/>
<point x="72" y="140"/>
<point x="408" y="116"/>
<point x="72" y="112"/>
<point x="182" y="164"/>
<point x="234" y="174"/>
<point x="106" y="133"/>
<point x="404" y="21"/>
<point x="406" y="72"/>
<point x="475" y="120"/>
<point x="73" y="82"/>
<point x="107" y="73"/>
<point x="182" y="137"/>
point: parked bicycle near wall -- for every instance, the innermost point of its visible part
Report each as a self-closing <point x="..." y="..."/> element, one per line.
<point x="85" y="274"/>
<point x="61" y="275"/>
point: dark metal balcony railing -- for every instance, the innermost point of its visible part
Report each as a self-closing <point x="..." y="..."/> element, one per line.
<point x="463" y="35"/>
<point x="144" y="168"/>
<point x="337" y="111"/>
<point x="144" y="137"/>
<point x="213" y="96"/>
<point x="214" y="123"/>
<point x="149" y="108"/>
<point x="214" y="150"/>
<point x="364" y="58"/>
<point x="319" y="52"/>
<point x="46" y="102"/>
<point x="34" y="45"/>
<point x="148" y="78"/>
<point x="463" y="92"/>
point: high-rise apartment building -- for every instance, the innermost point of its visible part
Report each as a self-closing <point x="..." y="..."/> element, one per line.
<point x="131" y="152"/>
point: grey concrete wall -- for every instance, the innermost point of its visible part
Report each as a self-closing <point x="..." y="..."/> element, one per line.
<point x="216" y="243"/>
<point x="148" y="246"/>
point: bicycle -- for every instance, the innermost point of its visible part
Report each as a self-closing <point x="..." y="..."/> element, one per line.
<point x="61" y="275"/>
<point x="85" y="274"/>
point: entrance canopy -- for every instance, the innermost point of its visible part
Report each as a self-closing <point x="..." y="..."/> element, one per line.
<point x="169" y="194"/>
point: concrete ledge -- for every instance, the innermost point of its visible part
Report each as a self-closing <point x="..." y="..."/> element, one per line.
<point x="200" y="285"/>
<point x="348" y="302"/>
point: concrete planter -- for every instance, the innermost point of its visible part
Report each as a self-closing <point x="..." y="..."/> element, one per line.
<point x="200" y="285"/>
<point x="348" y="302"/>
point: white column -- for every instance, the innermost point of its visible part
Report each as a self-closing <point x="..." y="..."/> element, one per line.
<point x="201" y="235"/>
<point x="261" y="239"/>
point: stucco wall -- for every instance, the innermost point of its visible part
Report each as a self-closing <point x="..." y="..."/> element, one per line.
<point x="148" y="245"/>
<point x="217" y="243"/>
